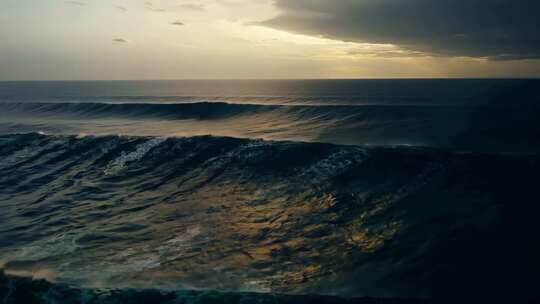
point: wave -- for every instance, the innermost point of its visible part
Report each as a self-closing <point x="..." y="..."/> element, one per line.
<point x="24" y="290"/>
<point x="478" y="128"/>
<point x="270" y="100"/>
<point x="241" y="215"/>
<point x="300" y="92"/>
<point x="197" y="110"/>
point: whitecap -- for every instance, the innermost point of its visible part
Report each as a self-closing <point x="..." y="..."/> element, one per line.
<point x="141" y="150"/>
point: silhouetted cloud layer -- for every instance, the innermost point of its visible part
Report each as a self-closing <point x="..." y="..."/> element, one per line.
<point x="497" y="29"/>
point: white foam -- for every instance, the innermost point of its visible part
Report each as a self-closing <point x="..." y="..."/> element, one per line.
<point x="141" y="150"/>
<point x="58" y="245"/>
<point x="335" y="163"/>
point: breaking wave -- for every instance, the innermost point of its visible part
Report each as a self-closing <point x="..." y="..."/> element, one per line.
<point x="469" y="128"/>
<point x="243" y="215"/>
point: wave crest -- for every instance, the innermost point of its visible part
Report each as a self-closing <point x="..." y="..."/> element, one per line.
<point x="222" y="213"/>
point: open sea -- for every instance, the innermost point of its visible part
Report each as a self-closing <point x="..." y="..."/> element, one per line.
<point x="269" y="191"/>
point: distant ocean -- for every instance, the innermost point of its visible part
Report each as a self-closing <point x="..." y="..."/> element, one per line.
<point x="349" y="188"/>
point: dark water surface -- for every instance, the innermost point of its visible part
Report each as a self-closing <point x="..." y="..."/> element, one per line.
<point x="382" y="188"/>
<point x="477" y="115"/>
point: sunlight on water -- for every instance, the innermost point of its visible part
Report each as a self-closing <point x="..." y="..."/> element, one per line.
<point x="264" y="196"/>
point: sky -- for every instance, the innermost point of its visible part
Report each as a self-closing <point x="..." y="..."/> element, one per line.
<point x="215" y="39"/>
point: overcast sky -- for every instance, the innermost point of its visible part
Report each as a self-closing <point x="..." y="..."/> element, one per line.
<point x="177" y="39"/>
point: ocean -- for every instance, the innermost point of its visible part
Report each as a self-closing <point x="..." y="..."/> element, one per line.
<point x="395" y="189"/>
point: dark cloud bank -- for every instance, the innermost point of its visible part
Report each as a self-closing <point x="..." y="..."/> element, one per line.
<point x="497" y="29"/>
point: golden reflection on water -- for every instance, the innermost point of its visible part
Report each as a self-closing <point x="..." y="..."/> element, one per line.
<point x="260" y="237"/>
<point x="217" y="224"/>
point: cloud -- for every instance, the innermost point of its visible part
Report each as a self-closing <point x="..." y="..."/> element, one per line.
<point x="150" y="6"/>
<point x="192" y="7"/>
<point x="79" y="3"/>
<point x="495" y="29"/>
<point x="120" y="40"/>
<point x="178" y="22"/>
<point x="121" y="8"/>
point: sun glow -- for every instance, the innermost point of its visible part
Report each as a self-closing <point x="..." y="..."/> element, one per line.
<point x="178" y="39"/>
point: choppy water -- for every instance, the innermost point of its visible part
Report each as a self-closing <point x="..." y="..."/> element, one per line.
<point x="429" y="199"/>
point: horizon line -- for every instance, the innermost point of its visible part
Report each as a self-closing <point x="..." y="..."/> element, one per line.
<point x="274" y="79"/>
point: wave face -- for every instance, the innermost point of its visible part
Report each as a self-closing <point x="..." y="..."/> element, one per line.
<point x="219" y="213"/>
<point x="467" y="115"/>
<point x="481" y="128"/>
<point x="382" y="188"/>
